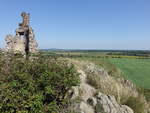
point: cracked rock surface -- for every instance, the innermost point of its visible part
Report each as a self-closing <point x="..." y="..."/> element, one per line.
<point x="93" y="101"/>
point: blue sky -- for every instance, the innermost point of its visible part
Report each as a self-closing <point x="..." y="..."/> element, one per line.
<point x="81" y="24"/>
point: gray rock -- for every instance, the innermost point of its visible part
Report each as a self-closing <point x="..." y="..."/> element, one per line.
<point x="89" y="102"/>
<point x="85" y="108"/>
<point x="108" y="104"/>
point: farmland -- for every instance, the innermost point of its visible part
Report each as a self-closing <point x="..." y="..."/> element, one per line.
<point x="136" y="70"/>
<point x="133" y="65"/>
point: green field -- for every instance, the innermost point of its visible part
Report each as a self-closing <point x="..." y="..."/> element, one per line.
<point x="136" y="70"/>
<point x="134" y="65"/>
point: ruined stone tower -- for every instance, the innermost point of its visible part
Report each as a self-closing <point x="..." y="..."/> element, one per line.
<point x="24" y="41"/>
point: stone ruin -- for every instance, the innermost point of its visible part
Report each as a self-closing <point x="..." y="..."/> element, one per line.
<point x="24" y="41"/>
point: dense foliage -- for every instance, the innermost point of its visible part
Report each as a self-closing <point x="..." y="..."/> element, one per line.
<point x="34" y="86"/>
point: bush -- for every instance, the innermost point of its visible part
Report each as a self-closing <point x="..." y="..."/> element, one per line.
<point x="35" y="86"/>
<point x="145" y="92"/>
<point x="136" y="104"/>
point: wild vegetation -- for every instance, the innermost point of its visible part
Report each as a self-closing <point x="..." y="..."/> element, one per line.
<point x="123" y="90"/>
<point x="37" y="85"/>
<point x="41" y="83"/>
<point x="134" y="65"/>
<point x="131" y="65"/>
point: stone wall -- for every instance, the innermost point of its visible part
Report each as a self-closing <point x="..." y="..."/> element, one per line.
<point x="24" y="41"/>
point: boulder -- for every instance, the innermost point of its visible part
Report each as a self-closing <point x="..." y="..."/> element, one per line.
<point x="108" y="104"/>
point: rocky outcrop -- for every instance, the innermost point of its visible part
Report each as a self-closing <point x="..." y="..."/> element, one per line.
<point x="93" y="101"/>
<point x="107" y="104"/>
<point x="24" y="41"/>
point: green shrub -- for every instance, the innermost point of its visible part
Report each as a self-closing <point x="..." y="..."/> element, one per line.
<point x="136" y="104"/>
<point x="145" y="92"/>
<point x="35" y="86"/>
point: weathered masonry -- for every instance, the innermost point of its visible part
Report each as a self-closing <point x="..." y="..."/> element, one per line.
<point x="24" y="41"/>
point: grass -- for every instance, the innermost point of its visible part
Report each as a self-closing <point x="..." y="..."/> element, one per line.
<point x="136" y="104"/>
<point x="105" y="63"/>
<point x="123" y="94"/>
<point x="136" y="70"/>
<point x="133" y="68"/>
